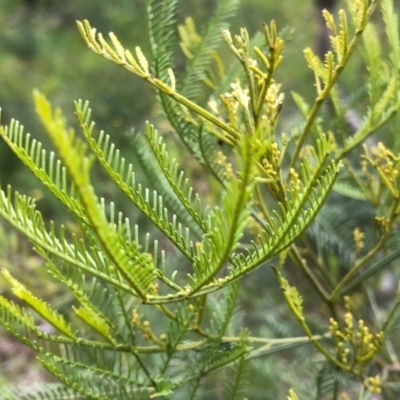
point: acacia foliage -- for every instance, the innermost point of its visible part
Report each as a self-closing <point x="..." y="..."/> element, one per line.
<point x="136" y="322"/>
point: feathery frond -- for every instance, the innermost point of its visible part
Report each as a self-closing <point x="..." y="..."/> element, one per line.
<point x="124" y="177"/>
<point x="196" y="68"/>
<point x="47" y="169"/>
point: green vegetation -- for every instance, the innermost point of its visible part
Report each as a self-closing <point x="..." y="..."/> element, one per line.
<point x="190" y="282"/>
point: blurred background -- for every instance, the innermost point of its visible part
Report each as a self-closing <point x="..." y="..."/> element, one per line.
<point x="40" y="47"/>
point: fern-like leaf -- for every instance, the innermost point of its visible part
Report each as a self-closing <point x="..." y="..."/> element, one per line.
<point x="162" y="16"/>
<point x="85" y="381"/>
<point x="49" y="391"/>
<point x="236" y="380"/>
<point x="42" y="308"/>
<point x="176" y="181"/>
<point x="195" y="73"/>
<point x="73" y="154"/>
<point x="293" y="221"/>
<point x="109" y="158"/>
<point x="47" y="169"/>
<point x="145" y="150"/>
<point x="223" y="356"/>
<point x="22" y="215"/>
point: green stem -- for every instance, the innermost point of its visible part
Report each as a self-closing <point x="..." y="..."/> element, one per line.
<point x="272" y="342"/>
<point x="308" y="332"/>
<point x="323" y="96"/>
<point x="157" y="83"/>
<point x="263" y="92"/>
<point x="295" y="254"/>
<point x="334" y="296"/>
<point x="357" y="139"/>
<point x="238" y="209"/>
<point x="391" y="316"/>
<point x="358" y="181"/>
<point x="252" y="92"/>
<point x="70" y="260"/>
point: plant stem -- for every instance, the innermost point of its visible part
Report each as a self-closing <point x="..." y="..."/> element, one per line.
<point x="325" y="92"/>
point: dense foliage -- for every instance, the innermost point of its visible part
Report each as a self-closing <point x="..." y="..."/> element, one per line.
<point x="155" y="309"/>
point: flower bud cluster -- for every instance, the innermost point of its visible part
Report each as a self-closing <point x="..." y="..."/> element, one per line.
<point x="274" y="100"/>
<point x="386" y="164"/>
<point x="358" y="240"/>
<point x="147" y="332"/>
<point x="227" y="166"/>
<point x="356" y="345"/>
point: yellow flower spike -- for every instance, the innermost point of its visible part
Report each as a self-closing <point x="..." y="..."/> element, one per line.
<point x="355" y="344"/>
<point x="384" y="222"/>
<point x="189" y="37"/>
<point x="387" y="165"/>
<point x="349" y="329"/>
<point x="364" y="166"/>
<point x="226" y="34"/>
<point x="295" y="179"/>
<point x="358" y="240"/>
<point x="333" y="323"/>
<point x="223" y="161"/>
<point x="373" y="384"/>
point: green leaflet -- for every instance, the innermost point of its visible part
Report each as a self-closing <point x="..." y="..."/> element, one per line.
<point x="43" y="309"/>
